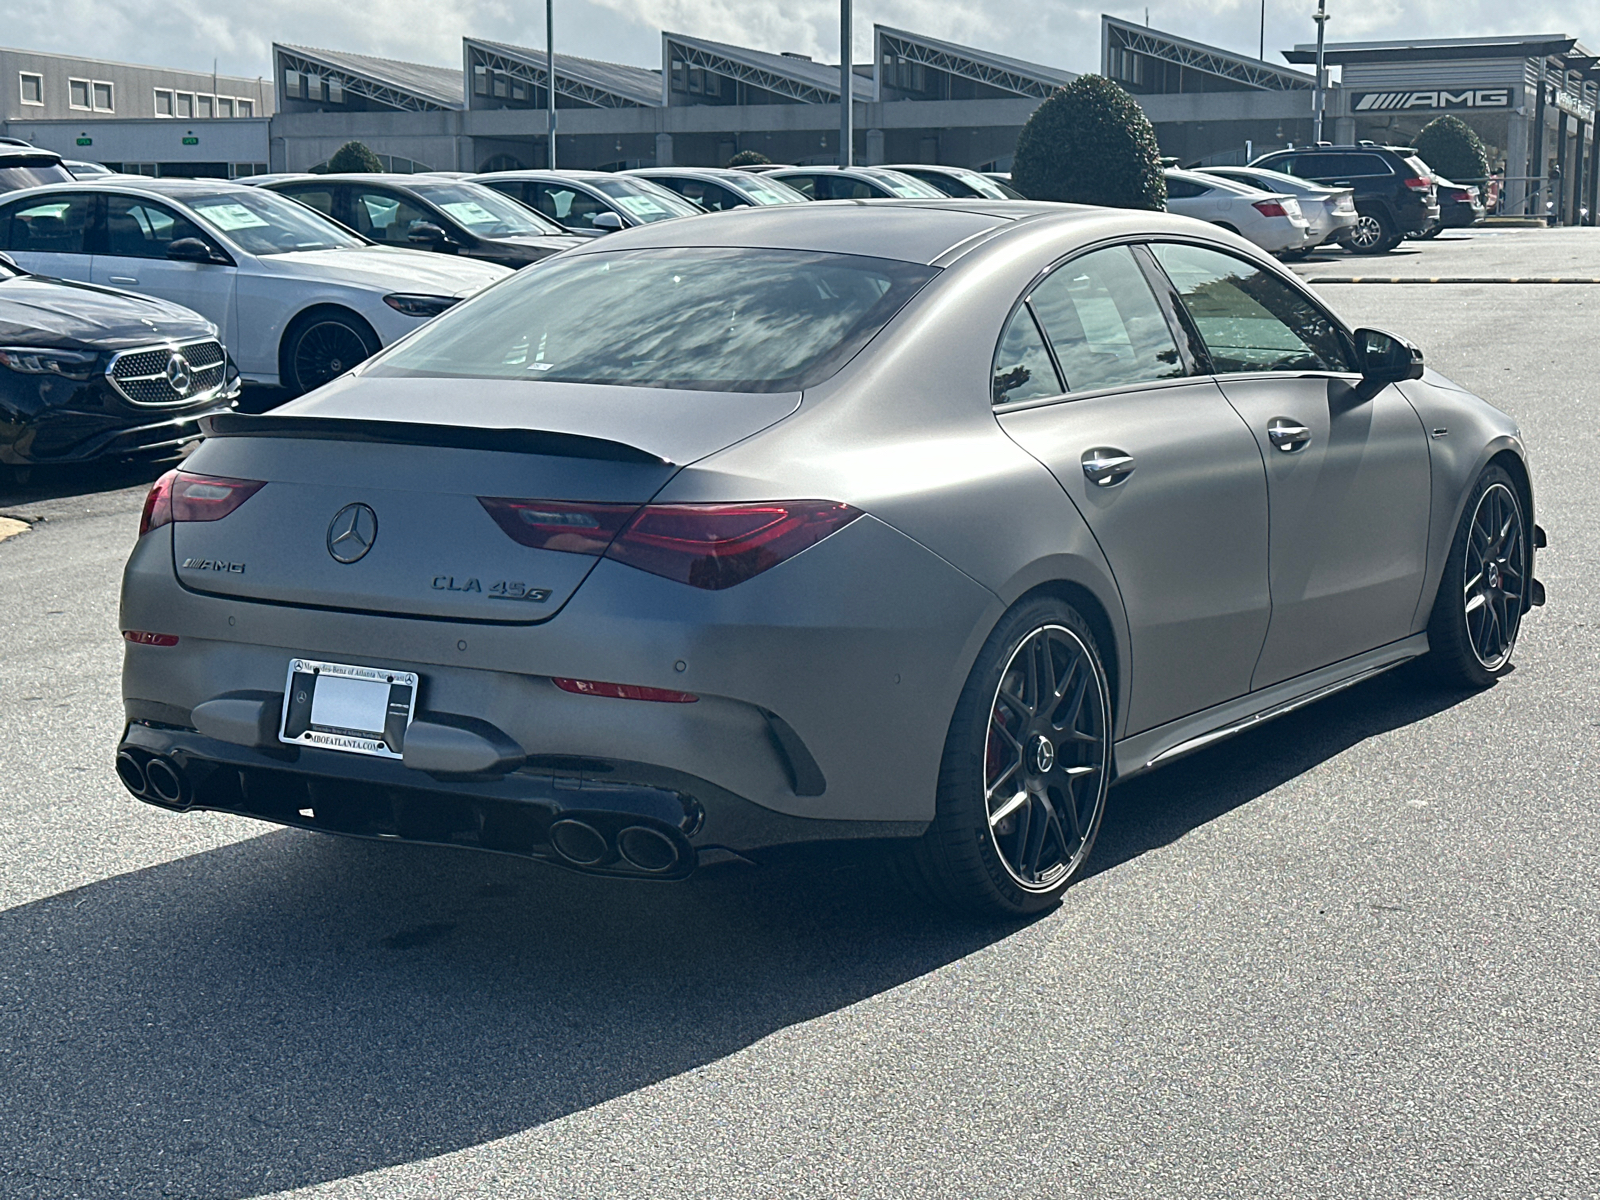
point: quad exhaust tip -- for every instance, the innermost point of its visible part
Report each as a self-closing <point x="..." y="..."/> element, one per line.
<point x="579" y="842"/>
<point x="156" y="779"/>
<point x="642" y="848"/>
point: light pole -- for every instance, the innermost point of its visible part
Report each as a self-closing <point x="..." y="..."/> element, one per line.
<point x="1262" y="52"/>
<point x="1320" y="97"/>
<point x="846" y="77"/>
<point x="550" y="75"/>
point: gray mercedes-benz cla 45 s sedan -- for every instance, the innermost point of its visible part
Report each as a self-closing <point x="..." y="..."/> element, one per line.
<point x="920" y="520"/>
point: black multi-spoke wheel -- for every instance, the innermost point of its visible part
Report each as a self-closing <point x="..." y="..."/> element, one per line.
<point x="1372" y="234"/>
<point x="1027" y="763"/>
<point x="1484" y="591"/>
<point x="323" y="346"/>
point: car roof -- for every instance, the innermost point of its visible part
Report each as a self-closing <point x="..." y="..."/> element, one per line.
<point x="579" y="176"/>
<point x="717" y="173"/>
<point x="391" y="178"/>
<point x="917" y="230"/>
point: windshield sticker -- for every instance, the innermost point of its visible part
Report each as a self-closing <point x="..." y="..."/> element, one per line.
<point x="469" y="212"/>
<point x="229" y="217"/>
<point x="640" y="206"/>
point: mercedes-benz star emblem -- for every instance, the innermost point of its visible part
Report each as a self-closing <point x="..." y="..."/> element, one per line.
<point x="351" y="533"/>
<point x="1044" y="755"/>
<point x="178" y="373"/>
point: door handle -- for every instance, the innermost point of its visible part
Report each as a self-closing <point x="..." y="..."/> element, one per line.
<point x="1106" y="467"/>
<point x="124" y="279"/>
<point x="1288" y="435"/>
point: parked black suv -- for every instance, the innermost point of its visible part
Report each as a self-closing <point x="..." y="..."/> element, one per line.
<point x="1395" y="193"/>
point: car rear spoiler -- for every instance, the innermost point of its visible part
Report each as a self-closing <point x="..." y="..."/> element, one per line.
<point x="414" y="433"/>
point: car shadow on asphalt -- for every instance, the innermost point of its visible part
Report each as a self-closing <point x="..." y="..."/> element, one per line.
<point x="1150" y="811"/>
<point x="88" y="479"/>
<point x="293" y="1008"/>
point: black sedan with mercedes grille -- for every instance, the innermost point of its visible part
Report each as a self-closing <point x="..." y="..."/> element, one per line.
<point x="90" y="373"/>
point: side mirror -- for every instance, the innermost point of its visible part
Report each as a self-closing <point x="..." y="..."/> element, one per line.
<point x="191" y="250"/>
<point x="426" y="233"/>
<point x="608" y="222"/>
<point x="1386" y="357"/>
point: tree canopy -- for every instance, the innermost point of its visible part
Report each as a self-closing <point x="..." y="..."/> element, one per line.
<point x="1090" y="143"/>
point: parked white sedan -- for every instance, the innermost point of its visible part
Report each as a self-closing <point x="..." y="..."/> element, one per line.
<point x="1271" y="220"/>
<point x="298" y="299"/>
<point x="1330" y="212"/>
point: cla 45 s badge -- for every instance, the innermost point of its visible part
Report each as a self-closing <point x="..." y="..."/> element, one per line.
<point x="500" y="590"/>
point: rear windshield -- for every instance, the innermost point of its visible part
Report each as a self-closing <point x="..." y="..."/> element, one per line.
<point x="730" y="320"/>
<point x="32" y="174"/>
<point x="646" y="201"/>
<point x="262" y="222"/>
<point x="484" y="211"/>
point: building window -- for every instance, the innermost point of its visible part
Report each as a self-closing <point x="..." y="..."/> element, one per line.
<point x="102" y="97"/>
<point x="247" y="108"/>
<point x="32" y="88"/>
<point x="291" y="83"/>
<point x="480" y="80"/>
<point x="677" y="75"/>
<point x="245" y="170"/>
<point x="78" y="93"/>
<point x="205" y="106"/>
<point x="224" y="106"/>
<point x="185" y="102"/>
<point x="163" y="103"/>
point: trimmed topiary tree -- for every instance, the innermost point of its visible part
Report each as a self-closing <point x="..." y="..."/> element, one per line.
<point x="1453" y="148"/>
<point x="353" y="157"/>
<point x="748" y="158"/>
<point x="1090" y="143"/>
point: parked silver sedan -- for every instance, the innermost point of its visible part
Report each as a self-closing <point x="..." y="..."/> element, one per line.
<point x="921" y="520"/>
<point x="1330" y="212"/>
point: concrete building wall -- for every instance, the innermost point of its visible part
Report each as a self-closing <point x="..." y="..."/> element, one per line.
<point x="38" y="86"/>
<point x="125" y="142"/>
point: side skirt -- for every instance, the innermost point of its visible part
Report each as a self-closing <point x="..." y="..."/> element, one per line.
<point x="1159" y="746"/>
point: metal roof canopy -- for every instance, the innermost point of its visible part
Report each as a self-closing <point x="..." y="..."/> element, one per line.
<point x="995" y="70"/>
<point x="799" y="79"/>
<point x="1436" y="49"/>
<point x="1197" y="56"/>
<point x="601" y="84"/>
<point x="410" y="87"/>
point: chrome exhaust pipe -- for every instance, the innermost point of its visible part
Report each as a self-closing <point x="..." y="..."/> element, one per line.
<point x="131" y="773"/>
<point x="579" y="842"/>
<point x="647" y="849"/>
<point x="164" y="781"/>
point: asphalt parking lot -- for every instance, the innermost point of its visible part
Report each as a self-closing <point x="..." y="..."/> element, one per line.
<point x="1351" y="954"/>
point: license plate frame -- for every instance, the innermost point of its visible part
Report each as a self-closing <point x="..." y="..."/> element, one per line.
<point x="359" y="710"/>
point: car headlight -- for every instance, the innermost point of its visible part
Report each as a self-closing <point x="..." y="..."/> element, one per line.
<point x="71" y="364"/>
<point x="419" y="306"/>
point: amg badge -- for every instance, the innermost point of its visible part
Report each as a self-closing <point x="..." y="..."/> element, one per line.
<point x="211" y="564"/>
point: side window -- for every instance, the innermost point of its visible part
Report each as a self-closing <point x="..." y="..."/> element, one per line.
<point x="318" y="196"/>
<point x="570" y="207"/>
<point x="1364" y="166"/>
<point x="1022" y="366"/>
<point x="1312" y="166"/>
<point x="1249" y="319"/>
<point x="386" y="216"/>
<point x="138" y="228"/>
<point x="52" y="225"/>
<point x="1103" y="321"/>
<point x="806" y="185"/>
<point x="1183" y="189"/>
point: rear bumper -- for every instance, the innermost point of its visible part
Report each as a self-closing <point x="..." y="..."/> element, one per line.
<point x="596" y="816"/>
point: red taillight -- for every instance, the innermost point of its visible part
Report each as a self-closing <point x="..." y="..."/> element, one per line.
<point x="1419" y="183"/>
<point x="140" y="637"/>
<point x="181" y="496"/>
<point x="158" y="504"/>
<point x="711" y="546"/>
<point x="624" y="691"/>
<point x="559" y="524"/>
<point x="1463" y="195"/>
<point x="1270" y="208"/>
<point x="715" y="546"/>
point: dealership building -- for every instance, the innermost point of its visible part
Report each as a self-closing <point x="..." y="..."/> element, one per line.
<point x="920" y="98"/>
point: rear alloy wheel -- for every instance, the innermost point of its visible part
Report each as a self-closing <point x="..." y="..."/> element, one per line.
<point x="1027" y="765"/>
<point x="323" y="346"/>
<point x="1372" y="234"/>
<point x="1478" y="611"/>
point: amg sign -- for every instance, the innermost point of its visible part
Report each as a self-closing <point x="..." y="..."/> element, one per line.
<point x="1499" y="97"/>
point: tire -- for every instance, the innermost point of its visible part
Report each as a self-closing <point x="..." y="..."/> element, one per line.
<point x="322" y="345"/>
<point x="1432" y="231"/>
<point x="1008" y="853"/>
<point x="1483" y="594"/>
<point x="1373" y="233"/>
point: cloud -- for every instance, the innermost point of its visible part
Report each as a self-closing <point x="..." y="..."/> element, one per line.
<point x="1063" y="33"/>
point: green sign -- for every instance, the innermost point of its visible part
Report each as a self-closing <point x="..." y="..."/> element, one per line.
<point x="191" y="141"/>
<point x="85" y="141"/>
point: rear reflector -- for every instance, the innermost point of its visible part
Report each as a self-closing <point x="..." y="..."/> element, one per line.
<point x="140" y="637"/>
<point x="182" y="496"/>
<point x="624" y="691"/>
<point x="710" y="546"/>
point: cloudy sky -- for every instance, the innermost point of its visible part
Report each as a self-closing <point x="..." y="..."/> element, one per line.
<point x="1063" y="33"/>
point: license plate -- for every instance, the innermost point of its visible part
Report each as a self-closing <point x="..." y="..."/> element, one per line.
<point x="362" y="710"/>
